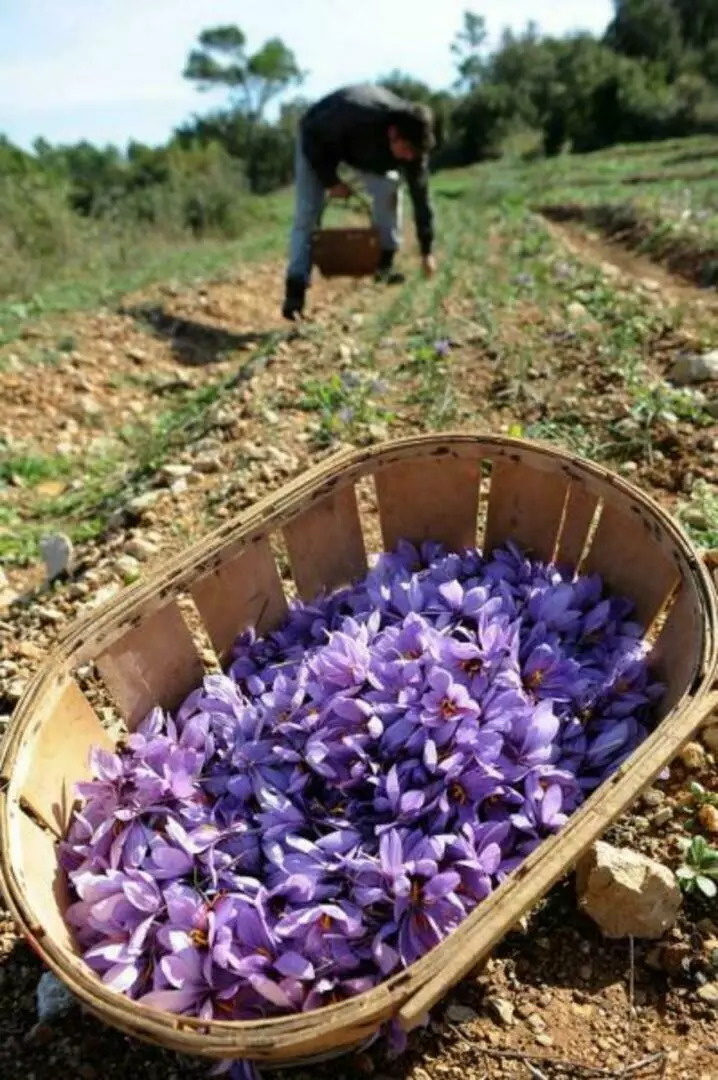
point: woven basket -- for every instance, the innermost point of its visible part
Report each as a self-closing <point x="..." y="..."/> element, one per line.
<point x="430" y="487"/>
<point x="348" y="252"/>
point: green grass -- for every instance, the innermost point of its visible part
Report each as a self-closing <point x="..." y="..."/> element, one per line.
<point x="110" y="274"/>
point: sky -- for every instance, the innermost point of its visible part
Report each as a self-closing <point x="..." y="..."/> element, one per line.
<point x="111" y="70"/>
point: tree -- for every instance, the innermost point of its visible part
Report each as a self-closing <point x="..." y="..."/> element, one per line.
<point x="467" y="48"/>
<point x="647" y="30"/>
<point x="253" y="80"/>
<point x="698" y="20"/>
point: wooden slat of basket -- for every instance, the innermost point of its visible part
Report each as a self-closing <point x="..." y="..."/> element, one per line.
<point x="246" y="590"/>
<point x="326" y="544"/>
<point x="48" y="894"/>
<point x="580" y="511"/>
<point x="429" y="500"/>
<point x="525" y="505"/>
<point x="154" y="663"/>
<point x="60" y="757"/>
<point x="626" y="552"/>
<point x="677" y="646"/>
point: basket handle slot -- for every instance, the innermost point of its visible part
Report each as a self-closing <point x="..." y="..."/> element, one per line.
<point x="243" y="591"/>
<point x="153" y="663"/>
<point x="429" y="499"/>
<point x="326" y="545"/>
<point x="526" y="505"/>
<point x="57" y="757"/>
<point x="627" y="554"/>
<point x="580" y="517"/>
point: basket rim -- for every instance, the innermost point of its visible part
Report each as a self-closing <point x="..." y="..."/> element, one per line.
<point x="338" y="1024"/>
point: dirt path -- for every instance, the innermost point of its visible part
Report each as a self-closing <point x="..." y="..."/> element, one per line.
<point x="618" y="263"/>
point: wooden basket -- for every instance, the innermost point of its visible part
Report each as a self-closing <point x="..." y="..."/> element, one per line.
<point x="352" y="252"/>
<point x="430" y="487"/>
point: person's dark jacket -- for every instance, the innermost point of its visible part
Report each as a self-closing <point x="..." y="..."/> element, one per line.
<point x="352" y="126"/>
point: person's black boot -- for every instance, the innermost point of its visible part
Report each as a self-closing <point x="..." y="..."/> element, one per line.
<point x="384" y="272"/>
<point x="293" y="306"/>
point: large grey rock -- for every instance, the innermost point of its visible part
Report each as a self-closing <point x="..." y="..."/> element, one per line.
<point x="56" y="551"/>
<point x="695" y="368"/>
<point x="626" y="893"/>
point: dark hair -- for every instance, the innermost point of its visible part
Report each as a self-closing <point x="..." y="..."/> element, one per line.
<point x="417" y="127"/>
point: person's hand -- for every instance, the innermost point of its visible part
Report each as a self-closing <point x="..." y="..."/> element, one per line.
<point x="428" y="265"/>
<point x="340" y="191"/>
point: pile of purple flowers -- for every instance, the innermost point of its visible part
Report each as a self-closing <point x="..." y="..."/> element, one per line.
<point x="326" y="812"/>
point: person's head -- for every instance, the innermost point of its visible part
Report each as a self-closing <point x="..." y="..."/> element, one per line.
<point x="412" y="134"/>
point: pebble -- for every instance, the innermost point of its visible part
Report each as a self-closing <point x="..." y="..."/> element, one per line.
<point x="141" y="503"/>
<point x="461" y="1014"/>
<point x="708" y="993"/>
<point x="544" y="1040"/>
<point x="140" y="548"/>
<point x="128" y="568"/>
<point x="662" y="816"/>
<point x="49" y="615"/>
<point x="585" y="972"/>
<point x="30" y="651"/>
<point x="56" y="551"/>
<point x="208" y="463"/>
<point x="53" y="998"/>
<point x="653" y="797"/>
<point x="174" y="471"/>
<point x="179" y="486"/>
<point x="708" y="818"/>
<point x="138" y="355"/>
<point x="693" y="756"/>
<point x="536" y="1022"/>
<point x="693" y="368"/>
<point x="501" y="1010"/>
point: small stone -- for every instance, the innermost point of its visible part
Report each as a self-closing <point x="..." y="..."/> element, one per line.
<point x="141" y="549"/>
<point x="544" y="1040"/>
<point x="662" y="816"/>
<point x="128" y="568"/>
<point x="140" y="504"/>
<point x="56" y="551"/>
<point x="695" y="368"/>
<point x="501" y="1010"/>
<point x="14" y="690"/>
<point x="208" y="463"/>
<point x="708" y="818"/>
<point x="88" y="408"/>
<point x="53" y="997"/>
<point x="653" y="797"/>
<point x="708" y="993"/>
<point x="523" y="1010"/>
<point x="174" y="471"/>
<point x="711" y="407"/>
<point x="138" y="355"/>
<point x="344" y="352"/>
<point x="49" y="615"/>
<point x="693" y="756"/>
<point x="461" y="1014"/>
<point x="626" y="893"/>
<point x="585" y="972"/>
<point x="536" y="1022"/>
<point x="179" y="486"/>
